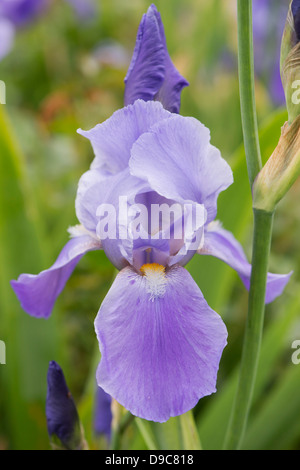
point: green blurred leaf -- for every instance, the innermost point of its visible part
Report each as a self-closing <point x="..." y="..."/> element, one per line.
<point x="189" y="432"/>
<point x="30" y="342"/>
<point x="276" y="426"/>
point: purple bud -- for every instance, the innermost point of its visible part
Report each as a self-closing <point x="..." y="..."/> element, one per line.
<point x="62" y="417"/>
<point x="103" y="413"/>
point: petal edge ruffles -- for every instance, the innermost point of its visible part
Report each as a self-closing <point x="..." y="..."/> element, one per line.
<point x="159" y="355"/>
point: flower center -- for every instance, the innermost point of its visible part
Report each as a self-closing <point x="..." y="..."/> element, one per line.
<point x="156" y="279"/>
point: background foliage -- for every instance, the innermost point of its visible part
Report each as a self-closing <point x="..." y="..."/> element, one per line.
<point x="61" y="75"/>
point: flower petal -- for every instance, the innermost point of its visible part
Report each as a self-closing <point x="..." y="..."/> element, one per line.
<point x="170" y="92"/>
<point x="112" y="140"/>
<point x="146" y="72"/>
<point x="151" y="74"/>
<point x="222" y="244"/>
<point x="38" y="293"/>
<point x="160" y="343"/>
<point x="179" y="162"/>
<point x="96" y="193"/>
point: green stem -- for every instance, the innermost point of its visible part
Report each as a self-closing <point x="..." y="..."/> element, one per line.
<point x="263" y="222"/>
<point x="191" y="440"/>
<point x="118" y="433"/>
<point x="247" y="91"/>
<point x="146" y="431"/>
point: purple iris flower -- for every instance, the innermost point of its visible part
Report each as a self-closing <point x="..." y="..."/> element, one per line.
<point x="21" y="12"/>
<point x="160" y="341"/>
<point x="268" y="24"/>
<point x="103" y="414"/>
<point x="15" y="14"/>
<point x="62" y="417"/>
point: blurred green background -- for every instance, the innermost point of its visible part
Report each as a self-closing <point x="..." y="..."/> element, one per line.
<point x="64" y="73"/>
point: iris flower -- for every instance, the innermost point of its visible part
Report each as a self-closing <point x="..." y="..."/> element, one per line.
<point x="160" y="341"/>
<point x="21" y="12"/>
<point x="15" y="14"/>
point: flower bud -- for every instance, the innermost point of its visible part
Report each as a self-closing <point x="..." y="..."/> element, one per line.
<point x="62" y="418"/>
<point x="290" y="60"/>
<point x="281" y="170"/>
<point x="103" y="413"/>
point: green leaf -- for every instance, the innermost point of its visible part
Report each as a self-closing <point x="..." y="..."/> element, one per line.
<point x="276" y="426"/>
<point x="190" y="436"/>
<point x="30" y="342"/>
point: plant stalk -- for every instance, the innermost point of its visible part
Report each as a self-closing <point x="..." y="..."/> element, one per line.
<point x="263" y="222"/>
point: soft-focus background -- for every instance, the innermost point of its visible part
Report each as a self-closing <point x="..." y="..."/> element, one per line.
<point x="66" y="71"/>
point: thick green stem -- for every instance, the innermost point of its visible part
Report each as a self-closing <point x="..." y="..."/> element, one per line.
<point x="262" y="235"/>
<point x="191" y="440"/>
<point x="247" y="92"/>
<point x="252" y="342"/>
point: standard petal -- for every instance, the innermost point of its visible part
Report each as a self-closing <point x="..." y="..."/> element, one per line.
<point x="108" y="199"/>
<point x="178" y="161"/>
<point x="160" y="342"/>
<point x="222" y="244"/>
<point x="112" y="140"/>
<point x="37" y="293"/>
<point x="146" y="72"/>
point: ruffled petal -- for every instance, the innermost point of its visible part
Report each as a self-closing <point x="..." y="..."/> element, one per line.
<point x="112" y="140"/>
<point x="37" y="293"/>
<point x="99" y="198"/>
<point x="160" y="342"/>
<point x="179" y="162"/>
<point x="222" y="244"/>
